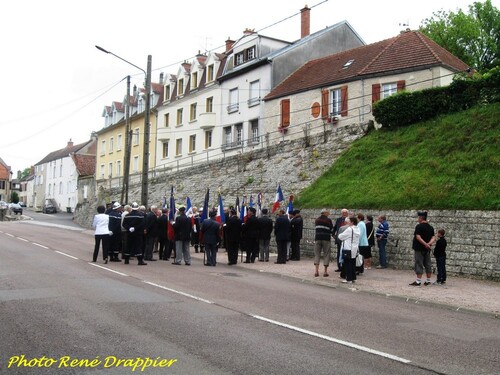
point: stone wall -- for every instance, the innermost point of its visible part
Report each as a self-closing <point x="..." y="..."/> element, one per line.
<point x="473" y="239"/>
<point x="473" y="236"/>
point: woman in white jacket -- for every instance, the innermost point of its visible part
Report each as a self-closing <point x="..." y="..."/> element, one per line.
<point x="102" y="233"/>
<point x="350" y="249"/>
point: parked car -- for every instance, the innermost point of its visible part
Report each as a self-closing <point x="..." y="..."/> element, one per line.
<point x="22" y="204"/>
<point x="16" y="208"/>
<point x="49" y="208"/>
<point x="3" y="204"/>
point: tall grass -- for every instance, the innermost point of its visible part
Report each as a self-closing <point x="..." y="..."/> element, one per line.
<point x="451" y="162"/>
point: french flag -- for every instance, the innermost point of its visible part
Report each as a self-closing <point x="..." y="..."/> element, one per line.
<point x="290" y="205"/>
<point x="279" y="198"/>
<point x="243" y="209"/>
<point x="221" y="217"/>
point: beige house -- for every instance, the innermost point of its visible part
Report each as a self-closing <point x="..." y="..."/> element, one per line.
<point x="5" y="179"/>
<point x="340" y="89"/>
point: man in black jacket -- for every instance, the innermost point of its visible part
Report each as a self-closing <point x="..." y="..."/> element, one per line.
<point x="282" y="232"/>
<point x="265" y="231"/>
<point x="251" y="235"/>
<point x="233" y="237"/>
<point x="210" y="230"/>
<point x="134" y="224"/>
<point x="182" y="229"/>
<point x="115" y="226"/>
<point x="151" y="232"/>
<point x="297" y="224"/>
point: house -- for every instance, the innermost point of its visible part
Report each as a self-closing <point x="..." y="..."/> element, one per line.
<point x="213" y="106"/>
<point x="340" y="89"/>
<point x="56" y="176"/>
<point x="112" y="138"/>
<point x="5" y="180"/>
<point x="85" y="169"/>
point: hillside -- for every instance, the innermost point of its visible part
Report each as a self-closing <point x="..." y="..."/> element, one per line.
<point x="450" y="162"/>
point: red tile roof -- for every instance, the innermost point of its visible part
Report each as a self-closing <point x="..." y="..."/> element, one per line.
<point x="408" y="51"/>
<point x="85" y="164"/>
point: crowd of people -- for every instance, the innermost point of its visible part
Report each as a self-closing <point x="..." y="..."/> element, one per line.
<point x="133" y="231"/>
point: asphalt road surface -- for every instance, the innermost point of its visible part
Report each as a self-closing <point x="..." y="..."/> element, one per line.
<point x="62" y="314"/>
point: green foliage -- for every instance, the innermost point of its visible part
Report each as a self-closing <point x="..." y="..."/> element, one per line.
<point x="472" y="37"/>
<point x="25" y="173"/>
<point x="450" y="162"/>
<point x="465" y="92"/>
<point x="14" y="197"/>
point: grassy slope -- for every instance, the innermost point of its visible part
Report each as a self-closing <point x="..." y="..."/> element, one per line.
<point x="451" y="162"/>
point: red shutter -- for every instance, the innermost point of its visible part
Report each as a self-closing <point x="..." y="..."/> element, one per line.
<point x="285" y="113"/>
<point x="375" y="92"/>
<point x="401" y="85"/>
<point x="344" y="101"/>
<point x="324" y="103"/>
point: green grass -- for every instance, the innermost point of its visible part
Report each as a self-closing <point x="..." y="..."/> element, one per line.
<point x="451" y="162"/>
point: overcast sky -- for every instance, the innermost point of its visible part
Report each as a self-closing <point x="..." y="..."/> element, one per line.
<point x="56" y="83"/>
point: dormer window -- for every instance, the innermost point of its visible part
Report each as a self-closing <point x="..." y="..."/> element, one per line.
<point x="180" y="86"/>
<point x="210" y="73"/>
<point x="238" y="59"/>
<point x="244" y="56"/>
<point x="250" y="53"/>
<point x="166" y="92"/>
<point x="194" y="80"/>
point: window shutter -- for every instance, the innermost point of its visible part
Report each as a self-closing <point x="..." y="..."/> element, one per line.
<point x="344" y="100"/>
<point x="375" y="92"/>
<point x="401" y="85"/>
<point x="285" y="113"/>
<point x="324" y="103"/>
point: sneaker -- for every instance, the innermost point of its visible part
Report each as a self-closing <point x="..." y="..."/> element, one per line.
<point x="415" y="284"/>
<point x="427" y="283"/>
<point x="346" y="282"/>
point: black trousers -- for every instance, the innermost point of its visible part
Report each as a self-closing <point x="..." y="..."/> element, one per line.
<point x="252" y="249"/>
<point x="295" y="250"/>
<point x="282" y="251"/>
<point x="105" y="246"/>
<point x="232" y="251"/>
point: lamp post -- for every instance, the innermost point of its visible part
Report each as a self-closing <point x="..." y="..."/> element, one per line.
<point x="145" y="154"/>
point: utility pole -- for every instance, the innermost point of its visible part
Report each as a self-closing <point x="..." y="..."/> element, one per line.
<point x="128" y="143"/>
<point x="147" y="132"/>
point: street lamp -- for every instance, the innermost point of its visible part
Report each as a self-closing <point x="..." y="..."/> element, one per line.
<point x="145" y="156"/>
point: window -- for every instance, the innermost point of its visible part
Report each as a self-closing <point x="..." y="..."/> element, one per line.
<point x="119" y="142"/>
<point x="233" y="101"/>
<point x="101" y="171"/>
<point x="50" y="190"/>
<point x="389" y="89"/>
<point x="179" y="116"/>
<point x="110" y="169"/>
<point x="209" y="105"/>
<point x="61" y="170"/>
<point x="178" y="147"/>
<point x="254" y="93"/>
<point x="250" y="53"/>
<point x="194" y="80"/>
<point x="166" y="120"/>
<point x="238" y="59"/>
<point x="238" y="134"/>
<point x="210" y="73"/>
<point x="166" y="92"/>
<point x="192" y="112"/>
<point x="165" y="149"/>
<point x="208" y="139"/>
<point x="192" y="143"/>
<point x="68" y="187"/>
<point x="136" y="137"/>
<point x="180" y="86"/>
<point x="103" y="147"/>
<point x="336" y="102"/>
<point x="227" y="136"/>
<point x="61" y="187"/>
<point x="118" y="168"/>
<point x="111" y="144"/>
<point x="136" y="164"/>
<point x="54" y="171"/>
<point x="254" y="131"/>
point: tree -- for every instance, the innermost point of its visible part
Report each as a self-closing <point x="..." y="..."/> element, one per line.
<point x="25" y="173"/>
<point x="14" y="197"/>
<point x="472" y="37"/>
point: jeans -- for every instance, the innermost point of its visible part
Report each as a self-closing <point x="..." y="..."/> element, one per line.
<point x="381" y="252"/>
<point x="441" y="268"/>
<point x="182" y="251"/>
<point x="264" y="249"/>
<point x="211" y="252"/>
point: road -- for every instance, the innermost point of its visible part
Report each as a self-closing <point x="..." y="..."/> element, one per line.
<point x="55" y="303"/>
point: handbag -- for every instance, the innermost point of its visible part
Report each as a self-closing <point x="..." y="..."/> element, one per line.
<point x="346" y="253"/>
<point x="359" y="260"/>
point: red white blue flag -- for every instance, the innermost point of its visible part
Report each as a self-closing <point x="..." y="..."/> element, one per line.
<point x="279" y="198"/>
<point x="221" y="217"/>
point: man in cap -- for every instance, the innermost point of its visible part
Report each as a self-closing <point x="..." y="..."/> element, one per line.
<point x="134" y="224"/>
<point x="265" y="230"/>
<point x="233" y="237"/>
<point x="250" y="233"/>
<point x="150" y="232"/>
<point x="210" y="230"/>
<point x="423" y="239"/>
<point x="182" y="229"/>
<point x="297" y="225"/>
<point x="115" y="228"/>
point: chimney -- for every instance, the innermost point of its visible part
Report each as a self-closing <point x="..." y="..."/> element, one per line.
<point x="229" y="44"/>
<point x="70" y="143"/>
<point x="161" y="78"/>
<point x="305" y="21"/>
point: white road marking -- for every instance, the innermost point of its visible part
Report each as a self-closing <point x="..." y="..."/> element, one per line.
<point x="332" y="339"/>
<point x="178" y="292"/>
<point x="108" y="269"/>
<point x="66" y="255"/>
<point x="22" y="239"/>
<point x="37" y="244"/>
<point x="10" y="235"/>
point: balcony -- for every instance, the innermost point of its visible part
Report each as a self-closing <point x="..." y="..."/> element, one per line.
<point x="207" y="120"/>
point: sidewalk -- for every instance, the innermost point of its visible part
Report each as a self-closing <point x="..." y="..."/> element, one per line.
<point x="458" y="293"/>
